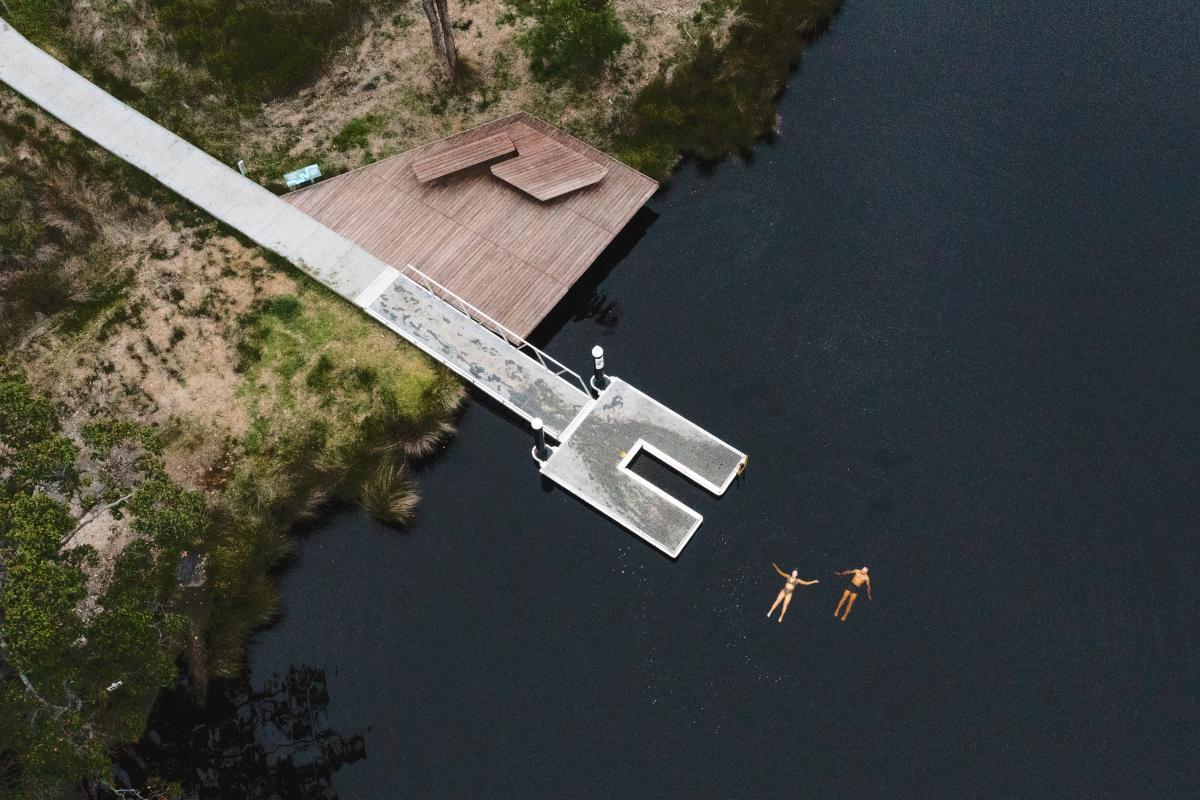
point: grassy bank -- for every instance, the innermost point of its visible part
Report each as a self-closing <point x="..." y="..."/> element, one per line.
<point x="337" y="409"/>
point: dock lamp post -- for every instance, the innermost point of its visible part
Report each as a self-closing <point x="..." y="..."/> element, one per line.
<point x="599" y="380"/>
<point x="540" y="450"/>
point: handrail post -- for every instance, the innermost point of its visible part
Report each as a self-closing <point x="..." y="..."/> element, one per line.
<point x="599" y="380"/>
<point x="541" y="451"/>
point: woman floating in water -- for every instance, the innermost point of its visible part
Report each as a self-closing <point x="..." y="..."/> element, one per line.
<point x="858" y="581"/>
<point x="785" y="594"/>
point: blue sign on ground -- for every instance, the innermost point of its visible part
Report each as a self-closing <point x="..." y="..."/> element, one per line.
<point x="303" y="175"/>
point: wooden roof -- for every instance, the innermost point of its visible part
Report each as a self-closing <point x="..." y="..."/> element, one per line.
<point x="506" y="252"/>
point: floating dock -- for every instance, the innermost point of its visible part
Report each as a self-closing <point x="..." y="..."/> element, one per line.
<point x="597" y="437"/>
<point x="593" y="458"/>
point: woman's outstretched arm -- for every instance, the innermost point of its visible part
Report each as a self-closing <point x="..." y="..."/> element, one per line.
<point x="807" y="583"/>
<point x="781" y="572"/>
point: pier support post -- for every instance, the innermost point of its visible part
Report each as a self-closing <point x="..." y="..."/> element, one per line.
<point x="540" y="450"/>
<point x="599" y="380"/>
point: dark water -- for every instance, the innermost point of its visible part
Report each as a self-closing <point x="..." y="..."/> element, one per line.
<point x="951" y="313"/>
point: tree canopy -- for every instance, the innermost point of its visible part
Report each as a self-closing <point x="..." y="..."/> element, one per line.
<point x="75" y="681"/>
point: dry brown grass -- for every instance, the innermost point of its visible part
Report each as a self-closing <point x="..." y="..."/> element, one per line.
<point x="391" y="77"/>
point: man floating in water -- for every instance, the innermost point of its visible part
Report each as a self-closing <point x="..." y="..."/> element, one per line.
<point x="785" y="594"/>
<point x="858" y="580"/>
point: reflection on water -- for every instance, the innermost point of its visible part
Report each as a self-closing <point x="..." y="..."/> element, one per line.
<point x="246" y="743"/>
<point x="598" y="308"/>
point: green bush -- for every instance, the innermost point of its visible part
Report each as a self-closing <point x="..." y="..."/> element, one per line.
<point x="174" y="518"/>
<point x="103" y="435"/>
<point x="35" y="454"/>
<point x="570" y="40"/>
<point x="260" y="48"/>
<point x="25" y="418"/>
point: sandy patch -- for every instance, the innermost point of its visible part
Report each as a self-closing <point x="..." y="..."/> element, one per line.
<point x="164" y="353"/>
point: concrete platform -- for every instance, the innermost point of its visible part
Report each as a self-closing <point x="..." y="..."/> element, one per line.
<point x="485" y="360"/>
<point x="593" y="457"/>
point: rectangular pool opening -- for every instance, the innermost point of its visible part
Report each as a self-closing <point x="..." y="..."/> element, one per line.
<point x="646" y="464"/>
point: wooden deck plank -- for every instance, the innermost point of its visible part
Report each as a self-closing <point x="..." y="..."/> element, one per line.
<point x="499" y="248"/>
<point x="549" y="170"/>
<point x="441" y="160"/>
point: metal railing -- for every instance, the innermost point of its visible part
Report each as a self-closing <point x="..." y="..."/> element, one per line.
<point x="495" y="328"/>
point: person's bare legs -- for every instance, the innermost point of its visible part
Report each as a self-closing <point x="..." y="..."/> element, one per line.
<point x="786" y="599"/>
<point x="838" y="610"/>
<point x="850" y="605"/>
<point x="778" y="600"/>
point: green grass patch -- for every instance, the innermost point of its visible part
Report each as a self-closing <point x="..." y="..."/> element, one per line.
<point x="310" y="348"/>
<point x="260" y="48"/>
<point x="356" y="133"/>
<point x="40" y="21"/>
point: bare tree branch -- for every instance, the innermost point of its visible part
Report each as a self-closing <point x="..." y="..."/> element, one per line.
<point x="90" y="517"/>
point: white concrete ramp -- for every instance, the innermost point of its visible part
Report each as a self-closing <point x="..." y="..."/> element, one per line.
<point x="496" y="362"/>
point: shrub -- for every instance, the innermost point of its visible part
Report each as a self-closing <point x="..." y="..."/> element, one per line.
<point x="570" y="40"/>
<point x="388" y="495"/>
<point x="171" y="516"/>
<point x="103" y="435"/>
<point x="355" y="133"/>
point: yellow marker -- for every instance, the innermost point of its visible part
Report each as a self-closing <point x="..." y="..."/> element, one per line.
<point x="622" y="454"/>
